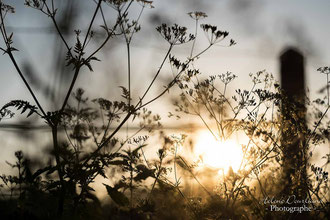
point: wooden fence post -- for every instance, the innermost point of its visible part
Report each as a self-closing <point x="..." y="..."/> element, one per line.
<point x="294" y="123"/>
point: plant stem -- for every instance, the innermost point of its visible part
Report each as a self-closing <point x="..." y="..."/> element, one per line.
<point x="139" y="105"/>
<point x="73" y="82"/>
<point x="129" y="73"/>
<point x="52" y="16"/>
<point x="129" y="80"/>
<point x="91" y="23"/>
<point x="60" y="173"/>
<point x="5" y="38"/>
<point x="156" y="75"/>
<point x="157" y="176"/>
<point x="328" y="85"/>
<point x="174" y="165"/>
<point x="27" y="84"/>
<point x="131" y="185"/>
<point x="109" y="34"/>
<point x="194" y="42"/>
<point x="77" y="67"/>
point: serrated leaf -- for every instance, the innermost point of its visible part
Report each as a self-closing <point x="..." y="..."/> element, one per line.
<point x="78" y="47"/>
<point x="30" y="113"/>
<point x="24" y="109"/>
<point x="19" y="104"/>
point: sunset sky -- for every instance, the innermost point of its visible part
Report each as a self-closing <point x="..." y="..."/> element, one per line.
<point x="262" y="29"/>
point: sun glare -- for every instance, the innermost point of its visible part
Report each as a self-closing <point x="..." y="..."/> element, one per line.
<point x="218" y="154"/>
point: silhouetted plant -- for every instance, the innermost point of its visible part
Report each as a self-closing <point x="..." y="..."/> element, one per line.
<point x="76" y="164"/>
<point x="257" y="113"/>
<point x="86" y="144"/>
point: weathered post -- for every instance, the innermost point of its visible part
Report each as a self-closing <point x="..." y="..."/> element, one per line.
<point x="294" y="123"/>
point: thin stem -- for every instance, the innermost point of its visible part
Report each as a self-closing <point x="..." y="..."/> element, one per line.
<point x="77" y="68"/>
<point x="328" y="85"/>
<point x="155" y="77"/>
<point x="207" y="126"/>
<point x="106" y="128"/>
<point x="27" y="84"/>
<point x="194" y="176"/>
<point x="129" y="79"/>
<point x="223" y="95"/>
<point x="75" y="76"/>
<point x="175" y="78"/>
<point x="174" y="165"/>
<point x="92" y="21"/>
<point x="131" y="112"/>
<point x="157" y="177"/>
<point x="316" y="126"/>
<point x="131" y="136"/>
<point x="193" y="45"/>
<point x="52" y="16"/>
<point x="131" y="184"/>
<point x="144" y="157"/>
<point x="203" y="51"/>
<point x="139" y="105"/>
<point x="109" y="34"/>
<point x="212" y="113"/>
<point x="103" y="18"/>
<point x="5" y="37"/>
<point x="137" y="20"/>
<point x="59" y="170"/>
<point x="107" y="139"/>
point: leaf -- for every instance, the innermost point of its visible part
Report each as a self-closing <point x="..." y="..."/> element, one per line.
<point x="134" y="152"/>
<point x="71" y="61"/>
<point x="126" y="93"/>
<point x="118" y="197"/>
<point x="19" y="104"/>
<point x="144" y="174"/>
<point x="89" y="66"/>
<point x="24" y="109"/>
<point x="5" y="112"/>
<point x="10" y="36"/>
<point x="78" y="48"/>
<point x="30" y="113"/>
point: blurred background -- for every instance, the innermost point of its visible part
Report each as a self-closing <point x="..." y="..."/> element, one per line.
<point x="261" y="28"/>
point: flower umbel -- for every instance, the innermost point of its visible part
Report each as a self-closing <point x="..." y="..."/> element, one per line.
<point x="175" y="34"/>
<point x="196" y="15"/>
<point x="214" y="35"/>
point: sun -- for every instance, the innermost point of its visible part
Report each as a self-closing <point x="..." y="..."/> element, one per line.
<point x="217" y="154"/>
